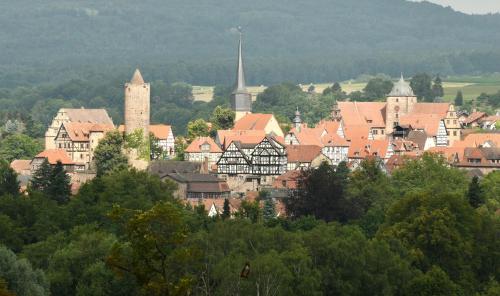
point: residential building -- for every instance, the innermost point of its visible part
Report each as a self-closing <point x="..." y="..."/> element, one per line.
<point x="199" y="186"/>
<point x="53" y="156"/>
<point x="79" y="140"/>
<point x="302" y="157"/>
<point x="259" y="121"/>
<point x="203" y="149"/>
<point x="82" y="115"/>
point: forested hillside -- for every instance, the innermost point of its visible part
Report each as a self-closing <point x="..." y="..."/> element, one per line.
<point x="194" y="41"/>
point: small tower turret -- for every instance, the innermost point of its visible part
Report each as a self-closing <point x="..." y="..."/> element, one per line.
<point x="297" y="121"/>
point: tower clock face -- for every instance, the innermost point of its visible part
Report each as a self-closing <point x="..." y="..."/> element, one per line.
<point x="396" y="108"/>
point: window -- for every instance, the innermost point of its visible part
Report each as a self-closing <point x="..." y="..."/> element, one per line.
<point x="397" y="100"/>
<point x="455" y="133"/>
<point x="382" y="132"/>
<point x="375" y="132"/>
<point x="397" y="115"/>
<point x="81" y="156"/>
<point x="60" y="145"/>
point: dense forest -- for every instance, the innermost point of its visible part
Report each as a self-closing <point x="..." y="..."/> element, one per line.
<point x="195" y="42"/>
<point x="426" y="230"/>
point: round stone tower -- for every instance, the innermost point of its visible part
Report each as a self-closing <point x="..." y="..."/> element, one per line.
<point x="137" y="110"/>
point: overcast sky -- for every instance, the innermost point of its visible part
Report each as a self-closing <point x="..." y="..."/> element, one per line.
<point x="471" y="6"/>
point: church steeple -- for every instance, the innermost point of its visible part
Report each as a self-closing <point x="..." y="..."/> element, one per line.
<point x="240" y="73"/>
<point x="241" y="99"/>
<point x="297" y="121"/>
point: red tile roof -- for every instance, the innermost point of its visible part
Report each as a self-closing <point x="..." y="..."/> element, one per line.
<point x="476" y="140"/>
<point x="55" y="155"/>
<point x="475" y="116"/>
<point x="253" y="137"/>
<point x="195" y="146"/>
<point x="422" y="121"/>
<point x="289" y="180"/>
<point x="20" y="165"/>
<point x="431" y="108"/>
<point x="161" y="131"/>
<point x="362" y="148"/>
<point x="363" y="113"/>
<point x="253" y="121"/>
<point x="80" y="132"/>
<point x="302" y="153"/>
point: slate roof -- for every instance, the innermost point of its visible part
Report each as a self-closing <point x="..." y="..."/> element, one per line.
<point x="165" y="167"/>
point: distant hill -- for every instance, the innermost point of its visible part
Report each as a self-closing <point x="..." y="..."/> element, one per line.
<point x="195" y="40"/>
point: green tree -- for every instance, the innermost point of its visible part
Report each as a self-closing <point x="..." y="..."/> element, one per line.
<point x="156" y="150"/>
<point x="59" y="187"/>
<point x="8" y="180"/>
<point x="20" y="276"/>
<point x="41" y="177"/>
<point x="437" y="88"/>
<point x="197" y="128"/>
<point x="321" y="194"/>
<point x="19" y="146"/>
<point x="336" y="88"/>
<point x="435" y="282"/>
<point x="226" y="213"/>
<point x="250" y="210"/>
<point x="311" y="89"/>
<point x="490" y="188"/>
<point x="459" y="98"/>
<point x="222" y="118"/>
<point x="269" y="211"/>
<point x="474" y="194"/>
<point x="421" y="85"/>
<point x="180" y="147"/>
<point x="154" y="250"/>
<point x="108" y="156"/>
<point x="377" y="88"/>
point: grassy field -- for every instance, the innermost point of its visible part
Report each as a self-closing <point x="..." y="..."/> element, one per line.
<point x="471" y="87"/>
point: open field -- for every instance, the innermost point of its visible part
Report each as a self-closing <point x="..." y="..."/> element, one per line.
<point x="471" y="87"/>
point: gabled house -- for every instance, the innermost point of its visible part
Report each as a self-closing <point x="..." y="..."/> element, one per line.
<point x="79" y="140"/>
<point x="203" y="149"/>
<point x="302" y="157"/>
<point x="53" y="156"/>
<point x="259" y="121"/>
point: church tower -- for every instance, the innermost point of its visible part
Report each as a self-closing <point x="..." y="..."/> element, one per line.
<point x="400" y="101"/>
<point x="137" y="109"/>
<point x="241" y="99"/>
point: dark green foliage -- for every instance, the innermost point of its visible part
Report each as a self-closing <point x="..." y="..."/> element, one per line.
<point x="95" y="35"/>
<point x="59" y="187"/>
<point x="377" y="89"/>
<point x="475" y="194"/>
<point x="433" y="283"/>
<point x="269" y="210"/>
<point x="19" y="146"/>
<point x="41" y="177"/>
<point x="222" y="118"/>
<point x="21" y="278"/>
<point x="459" y="99"/>
<point x="322" y="195"/>
<point x="8" y="180"/>
<point x="226" y="211"/>
<point x="421" y="85"/>
<point x="108" y="156"/>
<point x="437" y="88"/>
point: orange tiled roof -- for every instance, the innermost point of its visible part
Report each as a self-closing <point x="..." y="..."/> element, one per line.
<point x="289" y="180"/>
<point x="353" y="132"/>
<point x="253" y="121"/>
<point x="431" y="108"/>
<point x="302" y="153"/>
<point x="363" y="148"/>
<point x="449" y="153"/>
<point x="195" y="146"/>
<point x="474" y="117"/>
<point x="20" y="165"/>
<point x="226" y="137"/>
<point x="80" y="132"/>
<point x="161" y="131"/>
<point x="422" y="121"/>
<point x="363" y="113"/>
<point x="476" y="140"/>
<point x="55" y="155"/>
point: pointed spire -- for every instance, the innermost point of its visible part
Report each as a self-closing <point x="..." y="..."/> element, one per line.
<point x="240" y="78"/>
<point x="137" y="78"/>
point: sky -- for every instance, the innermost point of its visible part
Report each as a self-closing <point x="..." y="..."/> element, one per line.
<point x="471" y="6"/>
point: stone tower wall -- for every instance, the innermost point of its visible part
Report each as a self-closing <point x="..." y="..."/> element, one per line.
<point x="397" y="107"/>
<point x="137" y="107"/>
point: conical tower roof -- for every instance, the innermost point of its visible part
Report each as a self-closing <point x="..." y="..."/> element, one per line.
<point x="402" y="89"/>
<point x="137" y="78"/>
<point x="240" y="85"/>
